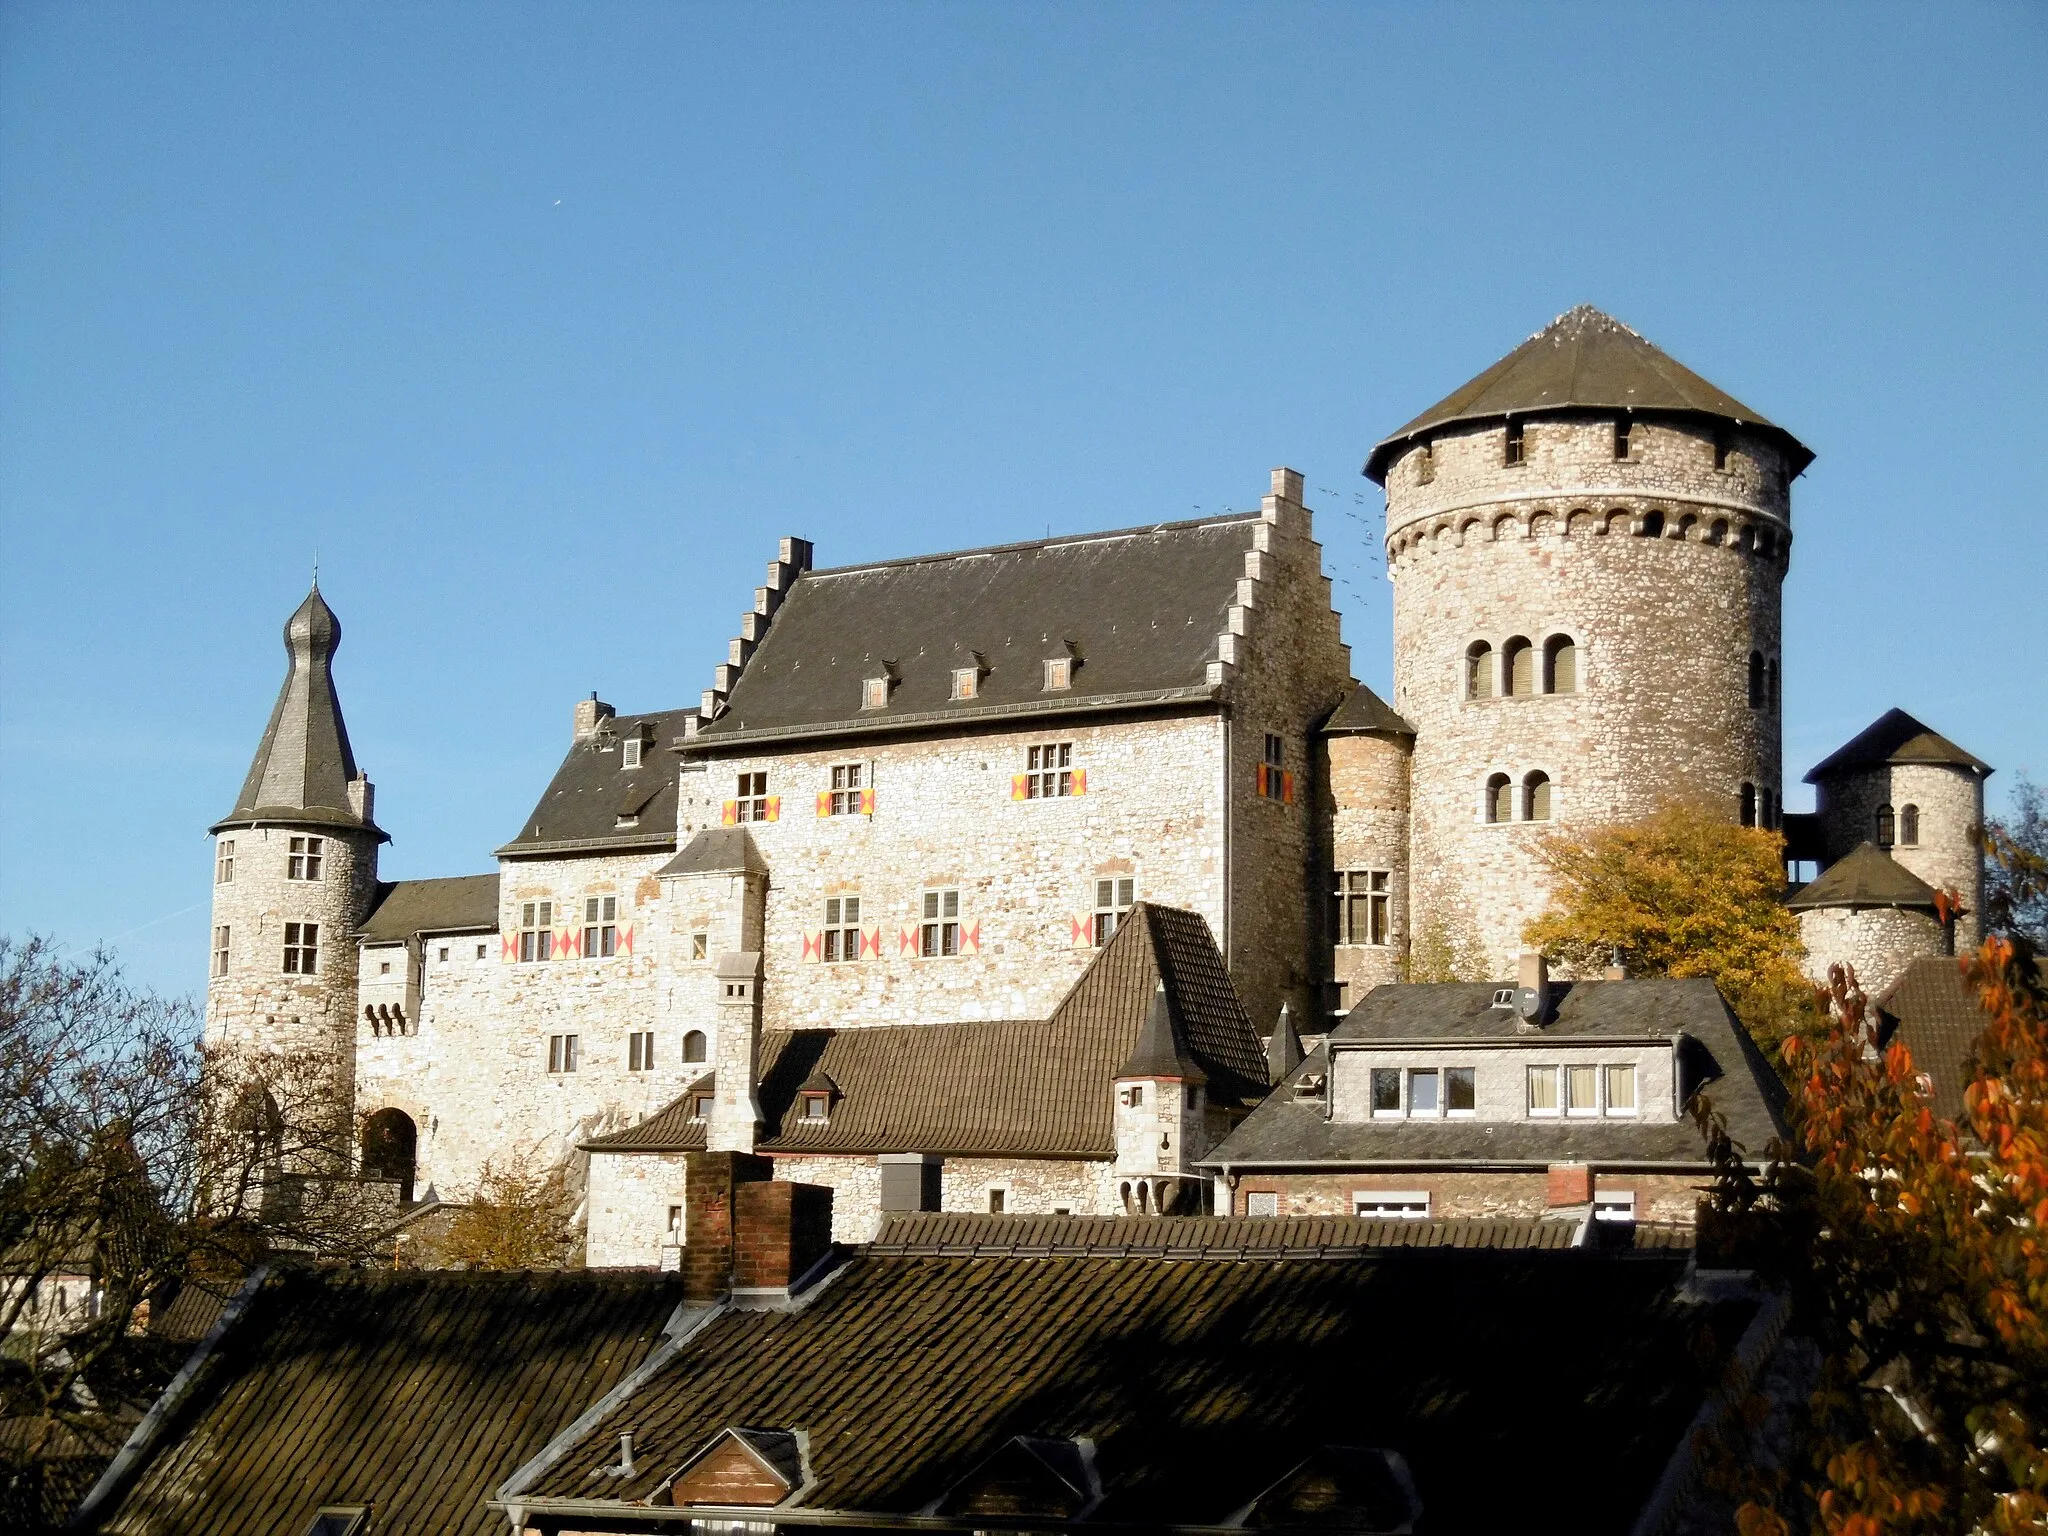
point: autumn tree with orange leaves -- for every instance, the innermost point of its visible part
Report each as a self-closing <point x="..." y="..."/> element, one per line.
<point x="1916" y="1251"/>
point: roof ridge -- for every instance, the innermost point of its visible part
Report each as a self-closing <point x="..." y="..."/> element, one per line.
<point x="1058" y="541"/>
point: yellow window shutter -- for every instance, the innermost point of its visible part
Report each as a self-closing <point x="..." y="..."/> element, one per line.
<point x="774" y="807"/>
<point x="1080" y="781"/>
<point x="1286" y="788"/>
<point x="867" y="802"/>
<point x="1019" y="783"/>
<point x="729" y="814"/>
<point x="824" y="802"/>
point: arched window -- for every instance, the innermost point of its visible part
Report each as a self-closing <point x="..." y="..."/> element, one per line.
<point x="1500" y="798"/>
<point x="1717" y="532"/>
<point x="1652" y="525"/>
<point x="1909" y="826"/>
<point x="694" y="1045"/>
<point x="1767" y="808"/>
<point x="1478" y="670"/>
<point x="390" y="1142"/>
<point x="1749" y="805"/>
<point x="1756" y="679"/>
<point x="1536" y="797"/>
<point x="1560" y="665"/>
<point x="1518" y="667"/>
<point x="1771" y="682"/>
<point x="1886" y="827"/>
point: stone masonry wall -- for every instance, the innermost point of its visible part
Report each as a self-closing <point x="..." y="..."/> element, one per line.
<point x="1951" y="803"/>
<point x="1880" y="942"/>
<point x="1365" y="797"/>
<point x="1663" y="625"/>
<point x="1509" y="1193"/>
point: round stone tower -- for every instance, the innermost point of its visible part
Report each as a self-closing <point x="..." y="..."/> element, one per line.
<point x="295" y="872"/>
<point x="1587" y="544"/>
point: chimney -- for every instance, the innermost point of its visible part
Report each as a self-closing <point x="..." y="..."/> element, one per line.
<point x="736" y="1112"/>
<point x="745" y="1235"/>
<point x="1532" y="988"/>
<point x="590" y="713"/>
<point x="1287" y="485"/>
<point x="1569" y="1184"/>
<point x="362" y="799"/>
<point x="1617" y="967"/>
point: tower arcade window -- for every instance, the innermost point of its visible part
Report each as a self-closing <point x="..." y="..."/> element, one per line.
<point x="750" y="800"/>
<point x="842" y="928"/>
<point x="1113" y="898"/>
<point x="1518" y="667"/>
<point x="1749" y="805"/>
<point x="1560" y="665"/>
<point x="939" y="933"/>
<point x="695" y="1046"/>
<point x="1756" y="679"/>
<point x="1362" y="907"/>
<point x="301" y="949"/>
<point x="1536" y="797"/>
<point x="1886" y="827"/>
<point x="1909" y="826"/>
<point x="1478" y="670"/>
<point x="224" y="862"/>
<point x="305" y="857"/>
<point x="1652" y="526"/>
<point x="220" y="950"/>
<point x="1771" y="683"/>
<point x="601" y="936"/>
<point x="1500" y="798"/>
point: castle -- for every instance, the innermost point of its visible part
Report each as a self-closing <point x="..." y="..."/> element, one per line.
<point x="1038" y="841"/>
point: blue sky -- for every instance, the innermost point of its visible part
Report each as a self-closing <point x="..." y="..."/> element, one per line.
<point x="541" y="323"/>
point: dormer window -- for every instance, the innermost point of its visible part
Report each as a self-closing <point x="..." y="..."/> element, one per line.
<point x="817" y="1106"/>
<point x="1059" y="673"/>
<point x="630" y="752"/>
<point x="874" y="693"/>
<point x="700" y="1105"/>
<point x="966" y="682"/>
<point x="1503" y="997"/>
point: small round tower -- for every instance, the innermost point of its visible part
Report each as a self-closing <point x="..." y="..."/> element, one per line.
<point x="1587" y="544"/>
<point x="295" y="872"/>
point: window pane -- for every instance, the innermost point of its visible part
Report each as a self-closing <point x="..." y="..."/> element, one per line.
<point x="1580" y="1086"/>
<point x="1460" y="1088"/>
<point x="1386" y="1089"/>
<point x="1543" y="1088"/>
<point x="931" y="903"/>
<point x="952" y="903"/>
<point x="1422" y="1093"/>
<point x="1621" y="1087"/>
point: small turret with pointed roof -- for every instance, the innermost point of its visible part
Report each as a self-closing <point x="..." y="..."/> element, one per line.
<point x="1283" y="1049"/>
<point x="1161" y="1117"/>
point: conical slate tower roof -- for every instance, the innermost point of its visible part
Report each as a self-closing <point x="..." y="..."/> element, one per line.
<point x="1896" y="737"/>
<point x="303" y="765"/>
<point x="1160" y="1051"/>
<point x="1866" y="876"/>
<point x="1583" y="361"/>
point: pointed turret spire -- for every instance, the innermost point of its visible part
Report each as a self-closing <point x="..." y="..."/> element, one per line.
<point x="1160" y="1051"/>
<point x="304" y="770"/>
<point x="1283" y="1050"/>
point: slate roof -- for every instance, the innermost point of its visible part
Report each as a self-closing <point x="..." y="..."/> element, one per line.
<point x="1200" y="1382"/>
<point x="717" y="850"/>
<point x="1866" y="876"/>
<point x="1141" y="607"/>
<point x="1213" y="1237"/>
<point x="1583" y="360"/>
<point x="1365" y="713"/>
<point x="1933" y="1010"/>
<point x="1290" y="1132"/>
<point x="1007" y="1087"/>
<point x="459" y="904"/>
<point x="303" y="765"/>
<point x="579" y="811"/>
<point x="1160" y="1051"/>
<point x="414" y="1392"/>
<point x="1896" y="737"/>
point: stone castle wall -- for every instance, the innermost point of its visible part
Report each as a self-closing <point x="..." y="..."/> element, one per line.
<point x="1569" y="543"/>
<point x="1509" y="1193"/>
<point x="1879" y="942"/>
<point x="1945" y="855"/>
<point x="1365" y="804"/>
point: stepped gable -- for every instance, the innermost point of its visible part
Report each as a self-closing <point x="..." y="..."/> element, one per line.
<point x="1365" y="713"/>
<point x="1896" y="737"/>
<point x="413" y="1392"/>
<point x="1583" y="360"/>
<point x="457" y="904"/>
<point x="1137" y="612"/>
<point x="595" y="804"/>
<point x="303" y="765"/>
<point x="1866" y="876"/>
<point x="1195" y="1384"/>
<point x="1006" y="1087"/>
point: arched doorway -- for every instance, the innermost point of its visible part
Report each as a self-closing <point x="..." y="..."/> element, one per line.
<point x="390" y="1146"/>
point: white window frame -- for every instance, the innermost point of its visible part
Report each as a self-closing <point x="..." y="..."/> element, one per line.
<point x="536" y="932"/>
<point x="1607" y="1106"/>
<point x="1400" y="1110"/>
<point x="1614" y="1205"/>
<point x="1460" y="1114"/>
<point x="1408" y="1077"/>
<point x="629" y="752"/>
<point x="750" y="796"/>
<point x="1115" y="895"/>
<point x="306" y="859"/>
<point x="1405" y="1203"/>
<point x="301" y="949"/>
<point x="874" y="693"/>
<point x="224" y="862"/>
<point x="1059" y="674"/>
<point x="700" y="946"/>
<point x="938" y="923"/>
<point x="1048" y="770"/>
<point x="601" y="927"/>
<point x="1530" y="1106"/>
<point x="1599" y="1090"/>
<point x="1372" y="892"/>
<point x="563" y="1051"/>
<point x="1270" y="1198"/>
<point x="223" y="948"/>
<point x="966" y="682"/>
<point x="842" y="927"/>
<point x="640" y="1051"/>
<point x="847" y="780"/>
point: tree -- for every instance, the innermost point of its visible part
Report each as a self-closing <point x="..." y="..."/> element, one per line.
<point x="2016" y="881"/>
<point x="519" y="1219"/>
<point x="1913" y="1249"/>
<point x="1683" y="892"/>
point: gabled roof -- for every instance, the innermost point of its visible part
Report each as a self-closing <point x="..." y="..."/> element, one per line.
<point x="582" y="807"/>
<point x="1006" y="1087"/>
<point x="1866" y="876"/>
<point x="1583" y="361"/>
<point x="303" y="765"/>
<point x="1935" y="1012"/>
<point x="461" y="904"/>
<point x="1139" y="610"/>
<point x="1896" y="737"/>
<point x="1197" y="1383"/>
<point x="717" y="850"/>
<point x="1365" y="713"/>
<point x="415" y="1392"/>
<point x="1717" y="1056"/>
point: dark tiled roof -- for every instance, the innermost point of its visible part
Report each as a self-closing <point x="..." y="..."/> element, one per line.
<point x="1208" y="1237"/>
<point x="1864" y="877"/>
<point x="1365" y="713"/>
<point x="717" y="850"/>
<point x="461" y="903"/>
<point x="1142" y="608"/>
<point x="581" y="808"/>
<point x="1018" y="1087"/>
<point x="1160" y="1051"/>
<point x="1200" y="1382"/>
<point x="303" y="765"/>
<point x="417" y="1393"/>
<point x="1895" y="737"/>
<point x="1583" y="360"/>
<point x="1286" y="1131"/>
<point x="1934" y="1012"/>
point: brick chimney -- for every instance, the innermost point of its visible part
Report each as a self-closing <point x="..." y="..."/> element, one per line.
<point x="746" y="1236"/>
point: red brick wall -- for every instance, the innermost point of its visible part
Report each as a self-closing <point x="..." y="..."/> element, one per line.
<point x="783" y="1230"/>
